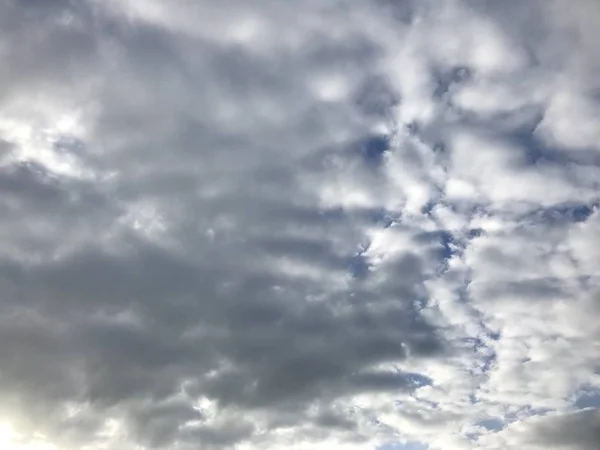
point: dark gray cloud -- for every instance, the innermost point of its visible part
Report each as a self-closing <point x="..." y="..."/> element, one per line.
<point x="185" y="260"/>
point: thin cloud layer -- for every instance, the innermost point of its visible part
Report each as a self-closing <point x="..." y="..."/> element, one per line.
<point x="343" y="225"/>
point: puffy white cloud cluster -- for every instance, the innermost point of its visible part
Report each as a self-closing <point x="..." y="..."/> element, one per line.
<point x="293" y="225"/>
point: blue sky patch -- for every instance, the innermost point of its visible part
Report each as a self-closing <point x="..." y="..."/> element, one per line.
<point x="374" y="148"/>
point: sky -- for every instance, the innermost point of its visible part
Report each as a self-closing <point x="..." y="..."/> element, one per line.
<point x="343" y="224"/>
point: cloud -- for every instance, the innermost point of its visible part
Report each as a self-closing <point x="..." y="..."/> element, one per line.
<point x="299" y="226"/>
<point x="575" y="430"/>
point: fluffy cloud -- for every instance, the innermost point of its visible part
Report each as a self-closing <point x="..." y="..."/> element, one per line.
<point x="340" y="225"/>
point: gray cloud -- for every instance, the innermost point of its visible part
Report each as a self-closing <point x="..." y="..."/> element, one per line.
<point x="315" y="226"/>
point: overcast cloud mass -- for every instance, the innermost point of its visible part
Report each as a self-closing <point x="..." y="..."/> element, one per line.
<point x="294" y="225"/>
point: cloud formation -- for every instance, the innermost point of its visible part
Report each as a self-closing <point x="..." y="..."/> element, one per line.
<point x="290" y="226"/>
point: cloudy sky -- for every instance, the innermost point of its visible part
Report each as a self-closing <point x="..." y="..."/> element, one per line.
<point x="297" y="225"/>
